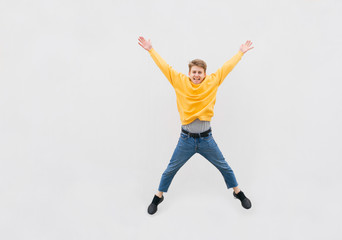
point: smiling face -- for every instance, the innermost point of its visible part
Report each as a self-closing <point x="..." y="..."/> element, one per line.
<point x="197" y="74"/>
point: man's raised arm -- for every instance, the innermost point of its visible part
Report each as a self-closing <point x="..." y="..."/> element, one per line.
<point x="228" y="66"/>
<point x="166" y="69"/>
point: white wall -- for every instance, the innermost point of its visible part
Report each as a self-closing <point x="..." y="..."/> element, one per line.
<point x="88" y="122"/>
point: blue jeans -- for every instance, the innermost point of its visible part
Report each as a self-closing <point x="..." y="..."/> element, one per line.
<point x="187" y="146"/>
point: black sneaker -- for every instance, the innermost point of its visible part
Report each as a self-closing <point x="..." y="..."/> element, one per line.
<point x="152" y="209"/>
<point x="245" y="202"/>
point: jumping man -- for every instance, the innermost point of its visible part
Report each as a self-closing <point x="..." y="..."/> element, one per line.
<point x="196" y="97"/>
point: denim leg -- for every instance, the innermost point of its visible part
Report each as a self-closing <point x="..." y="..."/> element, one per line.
<point x="185" y="149"/>
<point x="209" y="149"/>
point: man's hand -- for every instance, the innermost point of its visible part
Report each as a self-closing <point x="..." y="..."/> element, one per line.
<point x="246" y="47"/>
<point x="147" y="45"/>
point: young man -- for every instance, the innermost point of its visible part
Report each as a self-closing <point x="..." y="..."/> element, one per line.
<point x="196" y="97"/>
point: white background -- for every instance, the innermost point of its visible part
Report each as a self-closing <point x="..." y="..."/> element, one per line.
<point x="88" y="122"/>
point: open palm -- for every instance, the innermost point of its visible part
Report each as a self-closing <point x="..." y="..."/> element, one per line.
<point x="147" y="45"/>
<point x="246" y="47"/>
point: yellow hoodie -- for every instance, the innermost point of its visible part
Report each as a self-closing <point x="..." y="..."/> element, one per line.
<point x="195" y="100"/>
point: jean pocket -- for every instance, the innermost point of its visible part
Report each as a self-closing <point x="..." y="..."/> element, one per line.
<point x="184" y="136"/>
<point x="209" y="138"/>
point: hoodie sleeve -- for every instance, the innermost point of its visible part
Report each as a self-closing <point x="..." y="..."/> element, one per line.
<point x="227" y="67"/>
<point x="172" y="75"/>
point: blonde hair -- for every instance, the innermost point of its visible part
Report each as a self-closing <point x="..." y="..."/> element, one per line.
<point x="198" y="63"/>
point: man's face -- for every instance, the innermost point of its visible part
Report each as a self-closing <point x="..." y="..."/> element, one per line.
<point x="196" y="74"/>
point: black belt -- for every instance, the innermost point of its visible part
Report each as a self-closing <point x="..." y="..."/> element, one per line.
<point x="197" y="135"/>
